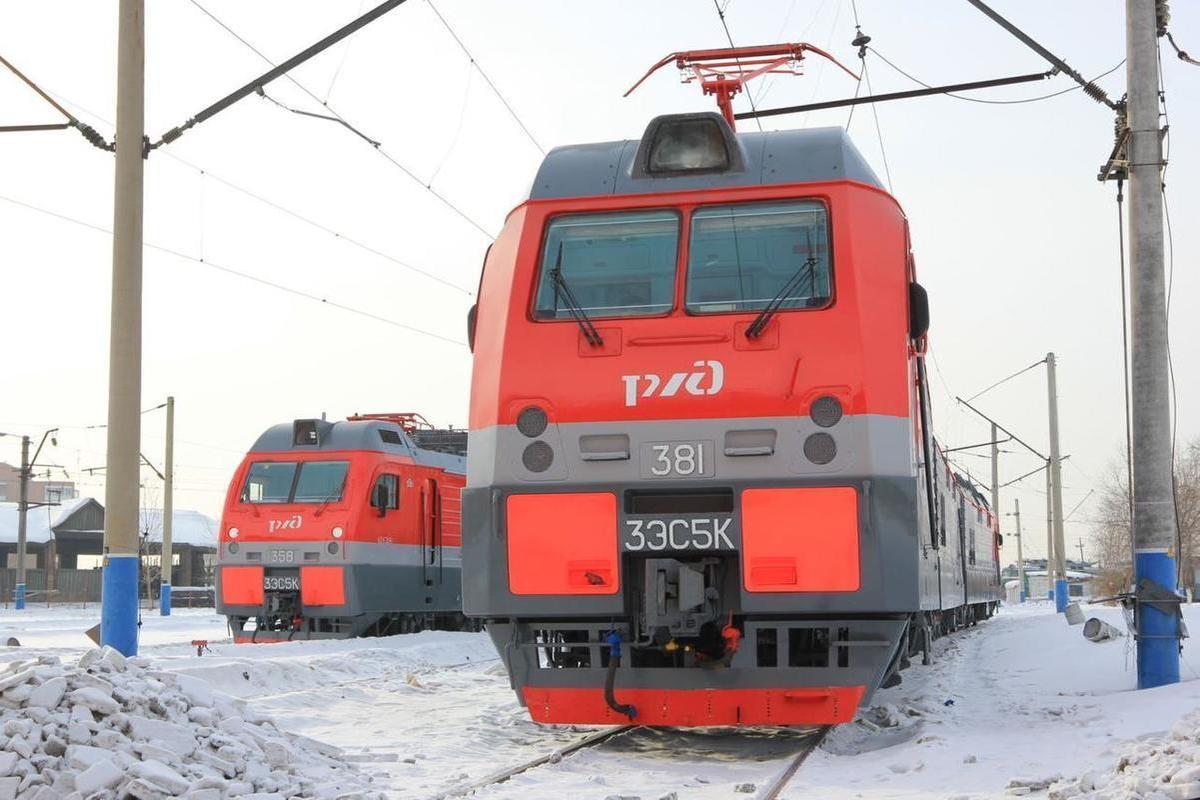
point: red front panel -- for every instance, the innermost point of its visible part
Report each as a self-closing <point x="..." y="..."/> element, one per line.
<point x="855" y="349"/>
<point x="242" y="586"/>
<point x="322" y="586"/>
<point x="800" y="540"/>
<point x="688" y="707"/>
<point x="562" y="543"/>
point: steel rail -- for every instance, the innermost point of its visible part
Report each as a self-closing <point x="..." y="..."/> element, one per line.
<point x="549" y="758"/>
<point x="780" y="781"/>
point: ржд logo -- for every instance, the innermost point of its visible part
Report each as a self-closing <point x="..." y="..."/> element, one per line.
<point x="653" y="385"/>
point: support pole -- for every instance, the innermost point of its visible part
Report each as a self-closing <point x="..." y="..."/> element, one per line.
<point x="119" y="600"/>
<point x="1050" y="559"/>
<point x="1056" y="508"/>
<point x="1154" y="533"/>
<point x="1020" y="556"/>
<point x="22" y="524"/>
<point x="166" y="556"/>
<point x="995" y="473"/>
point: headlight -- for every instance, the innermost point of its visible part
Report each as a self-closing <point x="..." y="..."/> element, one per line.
<point x="337" y="532"/>
<point x="233" y="533"/>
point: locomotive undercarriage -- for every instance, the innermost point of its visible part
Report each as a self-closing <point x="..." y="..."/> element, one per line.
<point x="283" y="618"/>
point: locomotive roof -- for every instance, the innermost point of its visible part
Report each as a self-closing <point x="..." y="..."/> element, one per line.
<point x="771" y="157"/>
<point x="364" y="435"/>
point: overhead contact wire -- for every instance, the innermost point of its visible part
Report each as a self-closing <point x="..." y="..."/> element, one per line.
<point x="339" y="118"/>
<point x="236" y="272"/>
<point x="491" y="84"/>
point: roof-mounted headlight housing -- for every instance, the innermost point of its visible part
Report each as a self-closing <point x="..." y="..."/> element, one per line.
<point x="681" y="144"/>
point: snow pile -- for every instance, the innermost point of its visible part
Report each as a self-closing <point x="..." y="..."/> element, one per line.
<point x="1155" y="767"/>
<point x="112" y="727"/>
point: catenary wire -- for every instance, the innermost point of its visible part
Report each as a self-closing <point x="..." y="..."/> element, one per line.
<point x="491" y="84"/>
<point x="239" y="273"/>
<point x="1006" y="380"/>
<point x="377" y="148"/>
<point x="206" y="173"/>
<point x="995" y="102"/>
<point x="738" y="61"/>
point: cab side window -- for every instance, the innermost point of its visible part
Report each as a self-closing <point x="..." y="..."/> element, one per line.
<point x="386" y="492"/>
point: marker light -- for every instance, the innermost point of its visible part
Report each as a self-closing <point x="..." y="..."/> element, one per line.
<point x="233" y="533"/>
<point x="337" y="532"/>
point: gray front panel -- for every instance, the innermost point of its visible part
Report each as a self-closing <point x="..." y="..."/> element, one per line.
<point x="888" y="553"/>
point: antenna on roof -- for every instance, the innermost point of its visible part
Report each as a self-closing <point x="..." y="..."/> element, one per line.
<point x="724" y="71"/>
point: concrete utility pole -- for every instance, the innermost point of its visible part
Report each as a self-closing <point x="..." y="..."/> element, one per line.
<point x="1020" y="557"/>
<point x="1051" y="561"/>
<point x="1056" y="509"/>
<point x="119" y="607"/>
<point x="165" y="556"/>
<point x="22" y="523"/>
<point x="1154" y="533"/>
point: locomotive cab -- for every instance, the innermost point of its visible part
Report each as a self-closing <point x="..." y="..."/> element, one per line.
<point x="694" y="484"/>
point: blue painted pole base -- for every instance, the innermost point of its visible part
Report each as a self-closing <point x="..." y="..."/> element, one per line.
<point x="1050" y="593"/>
<point x="1024" y="597"/>
<point x="1061" y="596"/>
<point x="1158" y="633"/>
<point x="164" y="599"/>
<point x="19" y="596"/>
<point x="119" y="603"/>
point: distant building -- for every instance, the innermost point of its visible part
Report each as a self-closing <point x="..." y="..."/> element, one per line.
<point x="53" y="492"/>
<point x="1080" y="577"/>
<point x="65" y="546"/>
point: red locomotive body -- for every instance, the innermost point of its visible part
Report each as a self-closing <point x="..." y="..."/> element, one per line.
<point x="339" y="529"/>
<point x="699" y="436"/>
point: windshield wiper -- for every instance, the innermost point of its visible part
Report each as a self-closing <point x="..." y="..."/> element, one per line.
<point x="577" y="313"/>
<point x="755" y="329"/>
<point x="336" y="494"/>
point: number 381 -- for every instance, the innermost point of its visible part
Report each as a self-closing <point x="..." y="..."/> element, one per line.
<point x="678" y="459"/>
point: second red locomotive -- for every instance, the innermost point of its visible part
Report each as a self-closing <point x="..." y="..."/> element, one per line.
<point x="340" y="529"/>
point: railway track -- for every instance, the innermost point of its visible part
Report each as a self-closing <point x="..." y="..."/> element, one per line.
<point x="555" y="756"/>
<point x="771" y="790"/>
<point x="775" y="788"/>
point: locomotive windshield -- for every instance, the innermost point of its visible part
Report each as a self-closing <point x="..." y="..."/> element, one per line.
<point x="742" y="257"/>
<point x="617" y="265"/>
<point x="295" y="482"/>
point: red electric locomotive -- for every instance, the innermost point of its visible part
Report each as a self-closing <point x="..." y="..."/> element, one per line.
<point x="702" y="487"/>
<point x="341" y="529"/>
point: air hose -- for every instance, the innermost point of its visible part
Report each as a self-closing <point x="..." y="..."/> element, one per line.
<point x="614" y="661"/>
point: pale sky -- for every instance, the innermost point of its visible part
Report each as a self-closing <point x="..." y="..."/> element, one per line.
<point x="1015" y="239"/>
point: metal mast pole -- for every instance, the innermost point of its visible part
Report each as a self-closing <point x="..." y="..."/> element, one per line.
<point x="166" y="557"/>
<point x="119" y="609"/>
<point x="1153" y="502"/>
<point x="1056" y="509"/>
<point x="1020" y="557"/>
<point x="22" y="521"/>
<point x="996" y="477"/>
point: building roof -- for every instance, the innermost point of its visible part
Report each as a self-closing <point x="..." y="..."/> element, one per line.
<point x="37" y="523"/>
<point x="190" y="527"/>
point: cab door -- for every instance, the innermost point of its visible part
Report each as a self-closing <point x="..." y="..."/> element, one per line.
<point x="431" y="532"/>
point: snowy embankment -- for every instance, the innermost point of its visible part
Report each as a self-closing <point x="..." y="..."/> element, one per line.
<point x="111" y="727"/>
<point x="1020" y="705"/>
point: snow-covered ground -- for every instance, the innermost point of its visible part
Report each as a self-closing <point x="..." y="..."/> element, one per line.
<point x="1014" y="703"/>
